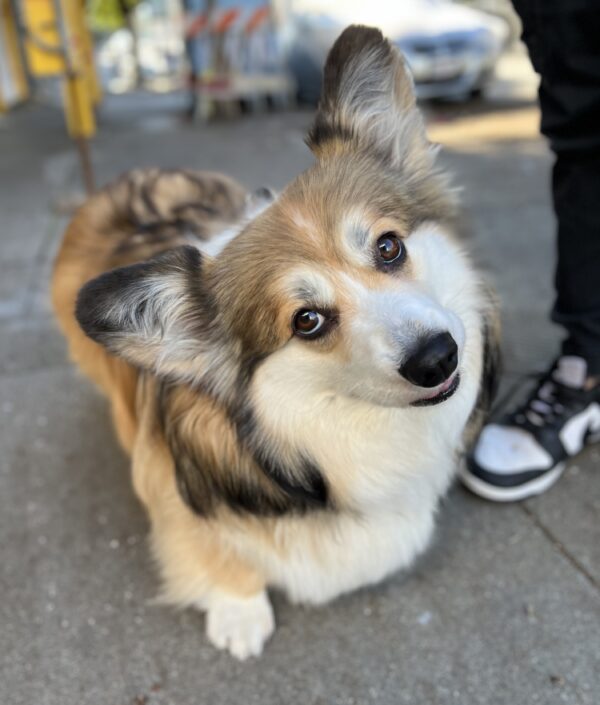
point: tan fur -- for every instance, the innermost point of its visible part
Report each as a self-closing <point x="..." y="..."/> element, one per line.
<point x="188" y="551"/>
<point x="191" y="554"/>
<point x="107" y="232"/>
<point x="324" y="195"/>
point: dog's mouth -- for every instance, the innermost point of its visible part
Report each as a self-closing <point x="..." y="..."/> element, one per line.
<point x="442" y="393"/>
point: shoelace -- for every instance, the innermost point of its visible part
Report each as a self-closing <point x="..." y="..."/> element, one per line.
<point x="541" y="406"/>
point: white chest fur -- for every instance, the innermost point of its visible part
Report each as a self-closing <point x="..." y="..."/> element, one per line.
<point x="393" y="466"/>
<point x="343" y="553"/>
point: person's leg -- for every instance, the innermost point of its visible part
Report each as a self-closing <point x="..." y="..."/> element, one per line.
<point x="577" y="203"/>
<point x="524" y="453"/>
<point x="563" y="39"/>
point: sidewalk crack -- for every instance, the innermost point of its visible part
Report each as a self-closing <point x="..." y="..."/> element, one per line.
<point x="560" y="547"/>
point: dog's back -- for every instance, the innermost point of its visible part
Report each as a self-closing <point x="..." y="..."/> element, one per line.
<point x="141" y="214"/>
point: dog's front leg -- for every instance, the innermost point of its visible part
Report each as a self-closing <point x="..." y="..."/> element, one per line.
<point x="199" y="566"/>
<point x="199" y="569"/>
<point x="241" y="625"/>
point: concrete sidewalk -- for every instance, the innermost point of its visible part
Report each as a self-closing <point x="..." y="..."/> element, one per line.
<point x="503" y="610"/>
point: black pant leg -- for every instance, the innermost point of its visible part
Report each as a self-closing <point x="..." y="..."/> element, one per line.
<point x="563" y="38"/>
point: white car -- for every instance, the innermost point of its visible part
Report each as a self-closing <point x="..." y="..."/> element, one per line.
<point x="451" y="49"/>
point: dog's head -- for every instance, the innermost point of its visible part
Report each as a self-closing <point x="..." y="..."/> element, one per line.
<point x="346" y="285"/>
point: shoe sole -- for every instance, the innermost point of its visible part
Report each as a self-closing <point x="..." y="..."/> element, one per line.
<point x="512" y="494"/>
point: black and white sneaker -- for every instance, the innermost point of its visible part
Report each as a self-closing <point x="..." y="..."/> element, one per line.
<point x="525" y="453"/>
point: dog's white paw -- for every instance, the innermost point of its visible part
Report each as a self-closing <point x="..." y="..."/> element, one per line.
<point x="240" y="625"/>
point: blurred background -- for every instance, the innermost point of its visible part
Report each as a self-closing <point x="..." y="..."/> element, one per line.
<point x="503" y="609"/>
<point x="217" y="59"/>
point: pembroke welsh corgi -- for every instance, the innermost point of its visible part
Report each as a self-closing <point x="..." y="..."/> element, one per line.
<point x="294" y="375"/>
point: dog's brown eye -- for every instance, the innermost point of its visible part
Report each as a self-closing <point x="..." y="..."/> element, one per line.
<point x="308" y="323"/>
<point x="390" y="247"/>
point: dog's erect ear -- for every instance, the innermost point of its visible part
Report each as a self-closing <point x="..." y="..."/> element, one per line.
<point x="156" y="314"/>
<point x="368" y="100"/>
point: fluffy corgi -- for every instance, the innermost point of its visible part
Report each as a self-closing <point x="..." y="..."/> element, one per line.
<point x="294" y="376"/>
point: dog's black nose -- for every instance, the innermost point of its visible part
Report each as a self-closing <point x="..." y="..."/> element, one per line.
<point x="432" y="362"/>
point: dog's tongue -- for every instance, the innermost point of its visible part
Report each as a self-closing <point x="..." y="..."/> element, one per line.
<point x="571" y="371"/>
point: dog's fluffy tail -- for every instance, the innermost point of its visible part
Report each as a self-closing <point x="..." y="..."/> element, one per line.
<point x="183" y="201"/>
<point x="146" y="211"/>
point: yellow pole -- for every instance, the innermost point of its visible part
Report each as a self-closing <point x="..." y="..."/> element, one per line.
<point x="57" y="42"/>
<point x="14" y="87"/>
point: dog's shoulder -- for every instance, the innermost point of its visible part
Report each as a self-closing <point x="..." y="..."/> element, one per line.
<point x="215" y="466"/>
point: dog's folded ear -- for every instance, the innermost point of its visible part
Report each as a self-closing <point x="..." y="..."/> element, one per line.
<point x="368" y="100"/>
<point x="156" y="314"/>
